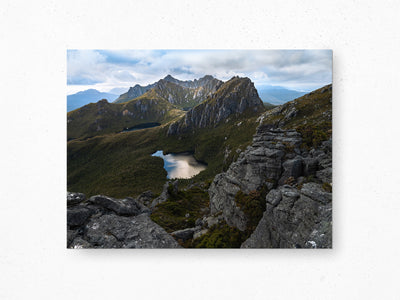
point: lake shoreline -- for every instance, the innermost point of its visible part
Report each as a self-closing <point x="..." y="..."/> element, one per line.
<point x="181" y="165"/>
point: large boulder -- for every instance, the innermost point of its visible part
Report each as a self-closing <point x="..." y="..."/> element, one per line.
<point x="77" y="215"/>
<point x="185" y="234"/>
<point x="123" y="207"/>
<point x="112" y="231"/>
<point x="75" y="198"/>
<point x="105" y="222"/>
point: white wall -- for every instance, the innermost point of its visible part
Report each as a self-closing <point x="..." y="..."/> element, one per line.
<point x="365" y="39"/>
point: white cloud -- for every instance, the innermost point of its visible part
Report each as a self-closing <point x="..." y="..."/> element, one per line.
<point x="303" y="69"/>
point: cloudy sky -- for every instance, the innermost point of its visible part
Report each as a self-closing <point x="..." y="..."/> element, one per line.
<point x="302" y="70"/>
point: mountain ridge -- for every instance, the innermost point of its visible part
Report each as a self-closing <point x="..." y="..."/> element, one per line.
<point x="104" y="117"/>
<point x="183" y="94"/>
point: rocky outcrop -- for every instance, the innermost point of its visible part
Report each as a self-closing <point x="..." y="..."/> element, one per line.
<point x="145" y="198"/>
<point x="105" y="222"/>
<point x="186" y="234"/>
<point x="75" y="198"/>
<point x="122" y="207"/>
<point x="112" y="231"/>
<point x="165" y="194"/>
<point x="295" y="219"/>
<point x="298" y="211"/>
<point x="234" y="97"/>
<point x="263" y="163"/>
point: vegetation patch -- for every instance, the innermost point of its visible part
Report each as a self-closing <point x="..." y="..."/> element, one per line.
<point x="253" y="205"/>
<point x="220" y="236"/>
<point x="182" y="209"/>
<point x="314" y="135"/>
<point x="327" y="187"/>
<point x="311" y="109"/>
<point x="268" y="106"/>
<point x="118" y="165"/>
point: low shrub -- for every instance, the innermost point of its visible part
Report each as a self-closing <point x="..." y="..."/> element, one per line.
<point x="181" y="210"/>
<point x="314" y="135"/>
<point x="253" y="206"/>
<point x="220" y="236"/>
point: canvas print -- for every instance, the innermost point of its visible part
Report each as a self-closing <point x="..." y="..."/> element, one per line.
<point x="199" y="149"/>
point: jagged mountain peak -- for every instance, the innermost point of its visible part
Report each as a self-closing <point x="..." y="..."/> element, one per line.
<point x="234" y="97"/>
<point x="183" y="94"/>
<point x="169" y="77"/>
<point x="237" y="87"/>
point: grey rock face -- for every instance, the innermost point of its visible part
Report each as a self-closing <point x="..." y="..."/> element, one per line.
<point x="292" y="168"/>
<point x="78" y="215"/>
<point x="295" y="219"/>
<point x="185" y="234"/>
<point x="165" y="194"/>
<point x="105" y="222"/>
<point x="310" y="166"/>
<point x="71" y="235"/>
<point x="260" y="164"/>
<point x="325" y="175"/>
<point x="75" y="198"/>
<point x="80" y="243"/>
<point x="123" y="207"/>
<point x="112" y="231"/>
<point x="145" y="197"/>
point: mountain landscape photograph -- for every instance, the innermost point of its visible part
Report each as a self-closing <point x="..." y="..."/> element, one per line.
<point x="199" y="149"/>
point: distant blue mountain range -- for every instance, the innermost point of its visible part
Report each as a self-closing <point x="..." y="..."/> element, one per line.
<point x="277" y="95"/>
<point x="80" y="99"/>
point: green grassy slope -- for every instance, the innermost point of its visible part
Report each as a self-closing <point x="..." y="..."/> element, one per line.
<point x="120" y="165"/>
<point x="313" y="108"/>
<point x="103" y="117"/>
<point x="311" y="115"/>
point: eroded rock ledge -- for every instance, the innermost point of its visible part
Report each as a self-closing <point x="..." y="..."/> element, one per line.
<point x="105" y="222"/>
<point x="298" y="210"/>
<point x="295" y="219"/>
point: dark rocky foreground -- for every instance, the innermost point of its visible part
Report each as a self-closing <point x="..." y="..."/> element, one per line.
<point x="104" y="222"/>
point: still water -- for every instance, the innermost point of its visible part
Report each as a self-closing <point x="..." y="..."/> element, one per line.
<point x="141" y="126"/>
<point x="181" y="165"/>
